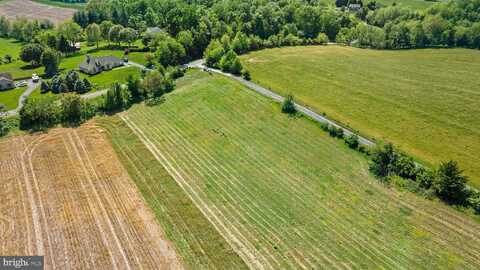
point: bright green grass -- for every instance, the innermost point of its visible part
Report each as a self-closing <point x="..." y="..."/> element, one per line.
<point x="195" y="239"/>
<point x="10" y="46"/>
<point x="78" y="6"/>
<point x="288" y="196"/>
<point x="21" y="70"/>
<point x="137" y="57"/>
<point x="107" y="78"/>
<point x="414" y="4"/>
<point x="427" y="102"/>
<point x="9" y="98"/>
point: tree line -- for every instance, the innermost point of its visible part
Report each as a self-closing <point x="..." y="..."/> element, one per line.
<point x="295" y="22"/>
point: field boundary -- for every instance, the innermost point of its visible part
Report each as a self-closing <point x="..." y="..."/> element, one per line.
<point x="199" y="64"/>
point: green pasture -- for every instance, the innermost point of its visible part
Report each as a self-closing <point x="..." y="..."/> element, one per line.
<point x="282" y="192"/>
<point x="427" y="102"/>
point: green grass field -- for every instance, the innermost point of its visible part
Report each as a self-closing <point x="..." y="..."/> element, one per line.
<point x="427" y="102"/>
<point x="195" y="239"/>
<point x="284" y="194"/>
<point x="9" y="98"/>
<point x="414" y="4"/>
<point x="10" y="47"/>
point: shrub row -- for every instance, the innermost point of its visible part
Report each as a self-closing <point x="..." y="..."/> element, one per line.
<point x="447" y="181"/>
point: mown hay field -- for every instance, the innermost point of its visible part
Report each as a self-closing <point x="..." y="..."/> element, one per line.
<point x="427" y="101"/>
<point x="284" y="194"/>
<point x="194" y="237"/>
<point x="65" y="195"/>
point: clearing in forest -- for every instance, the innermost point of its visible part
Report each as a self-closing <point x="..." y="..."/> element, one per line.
<point x="65" y="195"/>
<point x="35" y="11"/>
<point x="284" y="194"/>
<point x="425" y="101"/>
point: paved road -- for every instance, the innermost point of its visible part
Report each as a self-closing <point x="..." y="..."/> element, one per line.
<point x="21" y="100"/>
<point x="266" y="92"/>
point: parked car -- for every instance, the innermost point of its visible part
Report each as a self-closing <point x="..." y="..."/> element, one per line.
<point x="35" y="77"/>
<point x="21" y="83"/>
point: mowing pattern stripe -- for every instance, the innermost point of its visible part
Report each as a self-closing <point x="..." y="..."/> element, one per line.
<point x="284" y="193"/>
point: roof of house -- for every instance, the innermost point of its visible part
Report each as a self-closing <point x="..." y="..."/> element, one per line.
<point x="94" y="62"/>
<point x="7" y="76"/>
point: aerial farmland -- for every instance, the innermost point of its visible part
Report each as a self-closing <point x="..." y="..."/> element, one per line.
<point x="239" y="134"/>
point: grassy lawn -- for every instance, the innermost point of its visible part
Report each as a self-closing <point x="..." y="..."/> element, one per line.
<point x="107" y="78"/>
<point x="414" y="4"/>
<point x="78" y="6"/>
<point x="284" y="194"/>
<point x="20" y="69"/>
<point x="10" y="46"/>
<point x="9" y="98"/>
<point x="427" y="102"/>
<point x="195" y="239"/>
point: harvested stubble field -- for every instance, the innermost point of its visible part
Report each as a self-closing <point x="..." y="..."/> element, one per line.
<point x="65" y="195"/>
<point x="30" y="10"/>
<point x="425" y="101"/>
<point x="287" y="196"/>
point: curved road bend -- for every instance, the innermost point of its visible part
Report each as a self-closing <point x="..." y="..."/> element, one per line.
<point x="31" y="86"/>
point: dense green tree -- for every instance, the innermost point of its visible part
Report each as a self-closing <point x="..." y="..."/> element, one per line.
<point x="170" y="52"/>
<point x="105" y="29"/>
<point x="39" y="113"/>
<point x="72" y="106"/>
<point x="186" y="39"/>
<point x="114" y="34"/>
<point x="117" y="98"/>
<point x="128" y="35"/>
<point x="32" y="53"/>
<point x="50" y="60"/>
<point x="450" y="182"/>
<point x="5" y="27"/>
<point x="63" y="45"/>
<point x="152" y="84"/>
<point x="134" y="86"/>
<point x="288" y="105"/>
<point x="382" y="161"/>
<point x="94" y="33"/>
<point x="231" y="63"/>
<point x="214" y="53"/>
<point x="70" y="31"/>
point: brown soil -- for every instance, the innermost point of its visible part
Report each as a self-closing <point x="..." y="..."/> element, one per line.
<point x="65" y="195"/>
<point x="30" y="10"/>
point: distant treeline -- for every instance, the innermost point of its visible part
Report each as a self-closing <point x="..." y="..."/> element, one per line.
<point x="452" y="23"/>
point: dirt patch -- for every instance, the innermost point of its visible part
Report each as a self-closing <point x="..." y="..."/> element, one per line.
<point x="66" y="196"/>
<point x="30" y="10"/>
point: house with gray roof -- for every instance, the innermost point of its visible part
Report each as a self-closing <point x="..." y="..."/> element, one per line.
<point x="6" y="81"/>
<point x="94" y="65"/>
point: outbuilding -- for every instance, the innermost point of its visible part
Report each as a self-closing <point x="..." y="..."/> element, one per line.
<point x="6" y="81"/>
